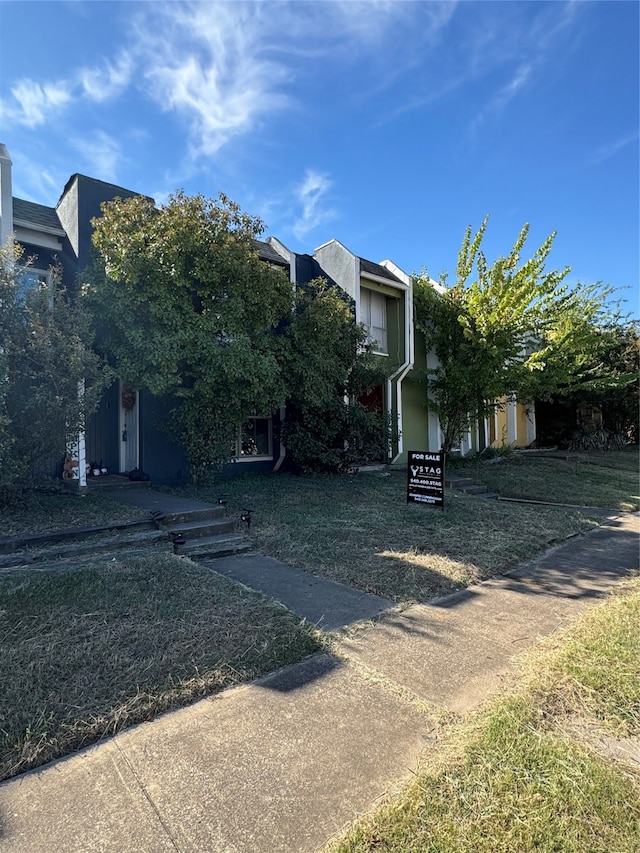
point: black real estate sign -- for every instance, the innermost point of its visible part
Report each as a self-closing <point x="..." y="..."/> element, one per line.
<point x="425" y="478"/>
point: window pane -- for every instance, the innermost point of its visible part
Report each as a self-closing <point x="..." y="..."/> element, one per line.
<point x="255" y="438"/>
<point x="377" y="310"/>
<point x="30" y="279"/>
<point x="373" y="312"/>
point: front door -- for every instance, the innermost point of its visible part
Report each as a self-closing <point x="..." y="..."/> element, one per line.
<point x="129" y="432"/>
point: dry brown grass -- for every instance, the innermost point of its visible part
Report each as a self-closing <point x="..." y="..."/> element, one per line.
<point x="87" y="652"/>
<point x="359" y="530"/>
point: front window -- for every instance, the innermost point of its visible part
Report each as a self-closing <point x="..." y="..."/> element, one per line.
<point x="373" y="307"/>
<point x="255" y="440"/>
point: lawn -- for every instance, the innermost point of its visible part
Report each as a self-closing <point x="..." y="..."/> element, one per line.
<point x="534" y="770"/>
<point x="607" y="479"/>
<point x="90" y="651"/>
<point x="41" y="512"/>
<point x="359" y="530"/>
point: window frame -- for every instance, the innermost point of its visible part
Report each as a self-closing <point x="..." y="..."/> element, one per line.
<point x="239" y="456"/>
<point x="30" y="277"/>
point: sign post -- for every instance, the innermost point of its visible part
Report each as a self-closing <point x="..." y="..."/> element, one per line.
<point x="425" y="478"/>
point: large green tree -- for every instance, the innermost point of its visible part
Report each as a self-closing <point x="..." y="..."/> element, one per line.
<point x="509" y="327"/>
<point x="50" y="377"/>
<point x="188" y="310"/>
<point x="329" y="367"/>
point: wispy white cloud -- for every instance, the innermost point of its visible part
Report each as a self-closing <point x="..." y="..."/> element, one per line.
<point x="509" y="38"/>
<point x="226" y="68"/>
<point x="107" y="80"/>
<point x="210" y="63"/>
<point x="612" y="148"/>
<point x="32" y="180"/>
<point x="505" y="94"/>
<point x="32" y="103"/>
<point x="311" y="197"/>
<point x="222" y="69"/>
<point x="101" y="154"/>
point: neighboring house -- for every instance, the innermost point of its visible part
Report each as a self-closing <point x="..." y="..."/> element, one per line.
<point x="511" y="422"/>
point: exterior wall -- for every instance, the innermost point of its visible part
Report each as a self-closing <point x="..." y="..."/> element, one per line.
<point x="67" y="209"/>
<point x="101" y="433"/>
<point x="162" y="458"/>
<point x="415" y="417"/>
<point x="515" y="424"/>
<point x="498" y="426"/>
<point x="528" y="414"/>
<point x="79" y="203"/>
<point x="342" y="267"/>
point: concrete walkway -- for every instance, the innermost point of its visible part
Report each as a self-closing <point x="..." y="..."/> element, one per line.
<point x="324" y="603"/>
<point x="153" y="501"/>
<point x="281" y="764"/>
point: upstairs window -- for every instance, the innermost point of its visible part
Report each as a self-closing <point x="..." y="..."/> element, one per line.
<point x="31" y="279"/>
<point x="373" y="308"/>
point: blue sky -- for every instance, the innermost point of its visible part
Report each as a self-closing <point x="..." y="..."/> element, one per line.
<point x="389" y="126"/>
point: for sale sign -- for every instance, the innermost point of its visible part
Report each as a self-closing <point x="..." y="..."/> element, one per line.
<point x="425" y="478"/>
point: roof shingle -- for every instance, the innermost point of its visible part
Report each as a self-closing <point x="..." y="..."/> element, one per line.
<point x="376" y="269"/>
<point x="36" y="216"/>
<point x="266" y="252"/>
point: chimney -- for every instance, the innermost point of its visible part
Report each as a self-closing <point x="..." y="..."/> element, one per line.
<point x="6" y="196"/>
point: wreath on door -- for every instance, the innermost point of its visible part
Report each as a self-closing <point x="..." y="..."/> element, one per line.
<point x="128" y="399"/>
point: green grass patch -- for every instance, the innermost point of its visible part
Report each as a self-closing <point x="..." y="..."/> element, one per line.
<point x="38" y="512"/>
<point x="517" y="778"/>
<point x="359" y="530"/>
<point x="88" y="652"/>
<point x="595" y="672"/>
<point x="586" y="479"/>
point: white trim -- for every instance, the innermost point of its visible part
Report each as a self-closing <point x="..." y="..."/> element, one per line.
<point x="531" y="423"/>
<point x="512" y="419"/>
<point x="6" y="196"/>
<point x="38" y="238"/>
<point x="283" y="449"/>
<point x="380" y="279"/>
<point x="29" y="225"/>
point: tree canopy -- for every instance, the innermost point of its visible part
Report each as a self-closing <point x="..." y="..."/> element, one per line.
<point x="188" y="310"/>
<point x="329" y="367"/>
<point x="45" y="353"/>
<point x="510" y="327"/>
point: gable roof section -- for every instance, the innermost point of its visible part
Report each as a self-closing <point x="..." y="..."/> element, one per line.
<point x="266" y="252"/>
<point x="368" y="267"/>
<point x="111" y="190"/>
<point x="38" y="217"/>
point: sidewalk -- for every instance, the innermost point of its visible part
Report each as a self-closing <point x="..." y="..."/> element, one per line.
<point x="281" y="764"/>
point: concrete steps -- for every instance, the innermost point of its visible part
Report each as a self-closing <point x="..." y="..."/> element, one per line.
<point x="90" y="546"/>
<point x="213" y="546"/>
<point x="206" y="532"/>
<point x="466" y="485"/>
<point x="203" y="533"/>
